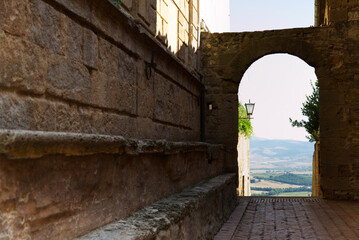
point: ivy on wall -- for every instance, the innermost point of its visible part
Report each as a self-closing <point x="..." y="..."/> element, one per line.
<point x="244" y="124"/>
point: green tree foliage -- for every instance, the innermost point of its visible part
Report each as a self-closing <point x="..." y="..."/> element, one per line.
<point x="311" y="110"/>
<point x="244" y="124"/>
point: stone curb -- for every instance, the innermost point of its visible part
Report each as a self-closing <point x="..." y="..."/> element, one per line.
<point x="150" y="221"/>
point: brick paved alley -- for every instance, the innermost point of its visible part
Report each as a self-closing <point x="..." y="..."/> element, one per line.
<point x="292" y="218"/>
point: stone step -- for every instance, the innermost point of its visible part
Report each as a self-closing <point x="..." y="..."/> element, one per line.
<point x="196" y="213"/>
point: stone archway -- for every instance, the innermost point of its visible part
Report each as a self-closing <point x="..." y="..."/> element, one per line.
<point x="226" y="57"/>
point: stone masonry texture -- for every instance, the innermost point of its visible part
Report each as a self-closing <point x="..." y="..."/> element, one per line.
<point x="334" y="11"/>
<point x="80" y="66"/>
<point x="333" y="52"/>
<point x="83" y="83"/>
<point x="62" y="185"/>
<point x="196" y="213"/>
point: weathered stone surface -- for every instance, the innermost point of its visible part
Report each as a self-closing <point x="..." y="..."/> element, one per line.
<point x="90" y="49"/>
<point x="22" y="64"/>
<point x="46" y="26"/>
<point x="187" y="215"/>
<point x="68" y="79"/>
<point x="331" y="50"/>
<point x="15" y="16"/>
<point x="93" y="175"/>
<point x="74" y="39"/>
<point x="16" y="113"/>
<point x="85" y="55"/>
<point x="17" y="144"/>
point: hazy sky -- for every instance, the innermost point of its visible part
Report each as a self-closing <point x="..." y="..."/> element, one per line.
<point x="276" y="83"/>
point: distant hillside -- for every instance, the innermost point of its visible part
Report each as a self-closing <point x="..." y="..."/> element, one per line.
<point x="280" y="154"/>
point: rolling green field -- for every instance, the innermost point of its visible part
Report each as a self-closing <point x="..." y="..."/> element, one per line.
<point x="277" y="182"/>
<point x="298" y="179"/>
<point x="294" y="194"/>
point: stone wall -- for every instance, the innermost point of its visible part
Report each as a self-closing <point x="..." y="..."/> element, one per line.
<point x="333" y="52"/>
<point x="62" y="185"/>
<point x="196" y="213"/>
<point x="85" y="66"/>
<point x="173" y="22"/>
<point x="332" y="11"/>
<point x="82" y="82"/>
<point x="316" y="190"/>
<point x="244" y="188"/>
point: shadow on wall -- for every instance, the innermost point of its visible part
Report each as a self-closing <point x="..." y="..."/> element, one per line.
<point x="174" y="24"/>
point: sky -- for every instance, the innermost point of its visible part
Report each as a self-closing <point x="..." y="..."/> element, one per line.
<point x="276" y="83"/>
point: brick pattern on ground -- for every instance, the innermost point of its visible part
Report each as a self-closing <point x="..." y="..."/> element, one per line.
<point x="292" y="218"/>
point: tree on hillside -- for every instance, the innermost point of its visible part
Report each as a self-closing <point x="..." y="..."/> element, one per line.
<point x="244" y="124"/>
<point x="311" y="110"/>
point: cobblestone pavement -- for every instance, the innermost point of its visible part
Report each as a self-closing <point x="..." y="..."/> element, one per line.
<point x="292" y="218"/>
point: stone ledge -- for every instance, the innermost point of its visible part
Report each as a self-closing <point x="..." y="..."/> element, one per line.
<point x="17" y="144"/>
<point x="157" y="219"/>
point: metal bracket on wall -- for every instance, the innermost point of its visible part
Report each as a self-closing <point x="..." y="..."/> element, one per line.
<point x="150" y="66"/>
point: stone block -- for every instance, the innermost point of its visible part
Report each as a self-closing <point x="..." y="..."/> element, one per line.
<point x="68" y="79"/>
<point x="152" y="19"/>
<point x="353" y="15"/>
<point x="98" y="91"/>
<point x="15" y="16"/>
<point x="332" y="96"/>
<point x="353" y="32"/>
<point x="127" y="4"/>
<point x="22" y="64"/>
<point x="16" y="112"/>
<point x="126" y="68"/>
<point x="165" y="92"/>
<point x="153" y="3"/>
<point x="143" y="10"/>
<point x="67" y="118"/>
<point x="44" y="115"/>
<point x="91" y="121"/>
<point x="46" y="26"/>
<point x="75" y="39"/>
<point x="145" y="128"/>
<point x="81" y="8"/>
<point x="344" y="170"/>
<point x="115" y="124"/>
<point x="120" y="95"/>
<point x="145" y="93"/>
<point x="338" y="15"/>
<point x="108" y="58"/>
<point x="90" y="49"/>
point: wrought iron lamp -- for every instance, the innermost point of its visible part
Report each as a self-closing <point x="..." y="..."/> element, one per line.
<point x="249" y="109"/>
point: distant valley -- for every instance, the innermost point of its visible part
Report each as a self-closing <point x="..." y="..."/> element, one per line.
<point x="280" y="155"/>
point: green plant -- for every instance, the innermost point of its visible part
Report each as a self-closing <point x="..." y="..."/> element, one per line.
<point x="311" y="110"/>
<point x="244" y="125"/>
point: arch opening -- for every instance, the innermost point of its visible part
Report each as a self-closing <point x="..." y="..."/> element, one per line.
<point x="281" y="157"/>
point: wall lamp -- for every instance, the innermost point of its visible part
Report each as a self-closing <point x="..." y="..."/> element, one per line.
<point x="249" y="109"/>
